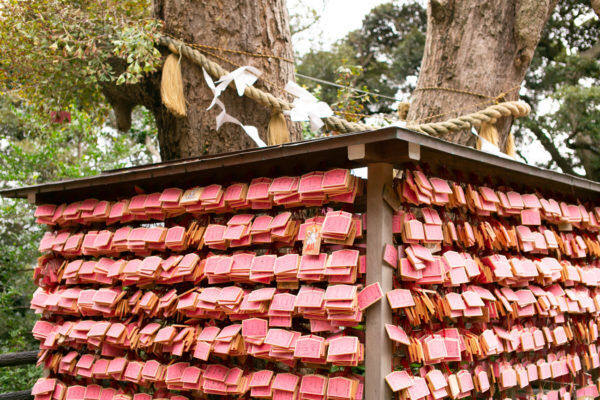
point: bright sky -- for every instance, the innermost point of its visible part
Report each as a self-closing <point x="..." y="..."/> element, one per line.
<point x="338" y="18"/>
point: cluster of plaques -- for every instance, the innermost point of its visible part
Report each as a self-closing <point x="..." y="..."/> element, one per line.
<point x="236" y="290"/>
<point x="496" y="293"/>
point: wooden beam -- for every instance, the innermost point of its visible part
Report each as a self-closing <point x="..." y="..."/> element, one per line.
<point x="21" y="358"/>
<point x="414" y="151"/>
<point x="393" y="145"/>
<point x="31" y="197"/>
<point x="378" y="349"/>
<point x="356" y="152"/>
<point x="22" y="395"/>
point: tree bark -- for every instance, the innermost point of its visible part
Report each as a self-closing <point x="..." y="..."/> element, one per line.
<point x="484" y="47"/>
<point x="588" y="152"/>
<point x="21" y="395"/>
<point x="259" y="26"/>
<point x="23" y="357"/>
<point x="595" y="4"/>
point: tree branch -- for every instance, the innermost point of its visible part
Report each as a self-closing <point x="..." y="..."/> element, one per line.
<point x="572" y="135"/>
<point x="152" y="149"/>
<point x="530" y="18"/>
<point x="20" y="358"/>
<point x="596" y="7"/>
<point x="520" y="154"/>
<point x="562" y="163"/>
<point x="124" y="98"/>
<point x="583" y="146"/>
<point x="593" y="52"/>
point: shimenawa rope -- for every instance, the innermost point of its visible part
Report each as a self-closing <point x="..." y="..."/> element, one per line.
<point x="489" y="114"/>
<point x="258" y="95"/>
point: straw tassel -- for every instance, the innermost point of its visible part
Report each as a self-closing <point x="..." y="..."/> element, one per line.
<point x="403" y="110"/>
<point x="171" y="86"/>
<point x="278" y="130"/>
<point x="510" y="145"/>
<point x="488" y="132"/>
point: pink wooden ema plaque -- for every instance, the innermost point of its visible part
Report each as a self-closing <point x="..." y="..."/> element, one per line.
<point x="369" y="295"/>
<point x="398" y="380"/>
<point x="400" y="298"/>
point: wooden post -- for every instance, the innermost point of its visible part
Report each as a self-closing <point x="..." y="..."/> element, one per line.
<point x="378" y="352"/>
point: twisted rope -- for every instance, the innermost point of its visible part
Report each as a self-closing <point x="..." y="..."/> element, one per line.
<point x="226" y="50"/>
<point x="262" y="97"/>
<point x="489" y="114"/>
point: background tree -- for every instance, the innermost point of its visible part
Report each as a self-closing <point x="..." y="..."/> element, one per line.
<point x="562" y="86"/>
<point x="561" y="83"/>
<point x="387" y="49"/>
<point x="73" y="52"/>
<point x="484" y="49"/>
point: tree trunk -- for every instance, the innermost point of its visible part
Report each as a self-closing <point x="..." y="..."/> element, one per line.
<point x="483" y="47"/>
<point x="588" y="151"/>
<point x="259" y="26"/>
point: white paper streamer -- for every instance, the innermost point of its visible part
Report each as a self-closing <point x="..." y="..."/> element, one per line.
<point x="307" y="107"/>
<point x="489" y="147"/>
<point x="242" y="79"/>
<point x="399" y="124"/>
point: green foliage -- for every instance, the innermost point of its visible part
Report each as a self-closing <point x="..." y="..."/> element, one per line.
<point x="349" y="101"/>
<point x="37" y="150"/>
<point x="323" y="65"/>
<point x="562" y="87"/>
<point x="387" y="48"/>
<point x="17" y="258"/>
<point x="304" y="16"/>
<point x="56" y="53"/>
<point x="579" y="109"/>
<point x="13" y="379"/>
<point x="34" y="150"/>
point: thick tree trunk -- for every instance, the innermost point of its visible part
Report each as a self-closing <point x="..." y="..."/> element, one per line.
<point x="257" y="26"/>
<point x="483" y="47"/>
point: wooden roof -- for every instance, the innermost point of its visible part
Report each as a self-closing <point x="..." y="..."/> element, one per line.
<point x="393" y="145"/>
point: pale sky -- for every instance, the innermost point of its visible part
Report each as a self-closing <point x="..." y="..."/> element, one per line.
<point x="338" y="18"/>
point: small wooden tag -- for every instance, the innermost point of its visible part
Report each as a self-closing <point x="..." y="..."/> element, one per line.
<point x="390" y="197"/>
<point x="287" y="285"/>
<point x="565" y="227"/>
<point x="312" y="240"/>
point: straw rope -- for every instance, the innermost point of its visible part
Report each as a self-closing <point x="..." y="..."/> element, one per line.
<point x="468" y="92"/>
<point x="489" y="114"/>
<point x="490" y="100"/>
<point x="264" y="98"/>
